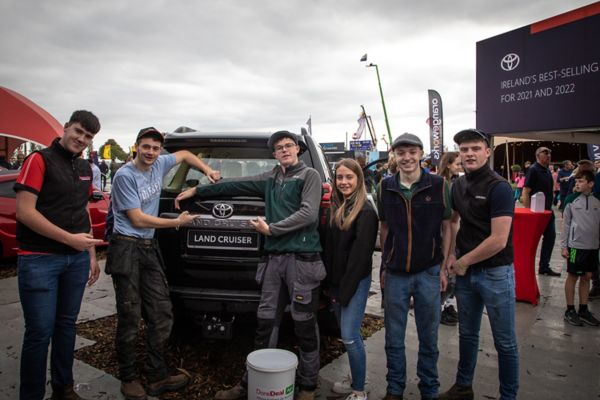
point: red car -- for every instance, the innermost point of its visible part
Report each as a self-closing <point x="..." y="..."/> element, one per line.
<point x="8" y="224"/>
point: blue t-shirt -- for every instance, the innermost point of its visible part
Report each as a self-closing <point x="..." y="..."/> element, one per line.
<point x="132" y="188"/>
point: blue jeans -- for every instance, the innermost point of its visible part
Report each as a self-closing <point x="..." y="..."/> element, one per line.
<point x="424" y="288"/>
<point x="494" y="288"/>
<point x="51" y="287"/>
<point x="350" y="319"/>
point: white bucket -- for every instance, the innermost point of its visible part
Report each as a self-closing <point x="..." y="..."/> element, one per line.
<point x="271" y="374"/>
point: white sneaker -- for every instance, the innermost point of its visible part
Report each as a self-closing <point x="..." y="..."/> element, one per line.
<point x="357" y="396"/>
<point x="345" y="386"/>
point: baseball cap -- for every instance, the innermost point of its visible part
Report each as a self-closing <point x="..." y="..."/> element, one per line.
<point x="407" y="139"/>
<point x="150" y="132"/>
<point x="542" y="149"/>
<point x="471" y="135"/>
<point x="277" y="136"/>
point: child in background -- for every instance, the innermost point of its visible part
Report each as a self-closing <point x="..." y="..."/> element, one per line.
<point x="520" y="181"/>
<point x="580" y="241"/>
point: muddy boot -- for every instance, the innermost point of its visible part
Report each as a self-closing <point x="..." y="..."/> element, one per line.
<point x="133" y="390"/>
<point x="457" y="392"/>
<point x="236" y="392"/>
<point x="305" y="395"/>
<point x="65" y="393"/>
<point x="169" y="384"/>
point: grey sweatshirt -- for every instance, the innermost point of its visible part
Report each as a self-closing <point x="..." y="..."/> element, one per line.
<point x="581" y="224"/>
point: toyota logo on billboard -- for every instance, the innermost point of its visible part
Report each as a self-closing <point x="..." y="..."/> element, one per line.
<point x="509" y="62"/>
<point x="222" y="210"/>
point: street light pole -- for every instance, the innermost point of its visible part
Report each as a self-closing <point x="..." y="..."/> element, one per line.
<point x="387" y="124"/>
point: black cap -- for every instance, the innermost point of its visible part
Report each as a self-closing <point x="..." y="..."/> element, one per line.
<point x="150" y="132"/>
<point x="471" y="135"/>
<point x="407" y="139"/>
<point x="277" y="136"/>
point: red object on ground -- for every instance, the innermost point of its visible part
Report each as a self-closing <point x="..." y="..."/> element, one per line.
<point x="527" y="230"/>
<point x="21" y="120"/>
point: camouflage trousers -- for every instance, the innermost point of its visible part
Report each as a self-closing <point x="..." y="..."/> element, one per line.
<point x="141" y="291"/>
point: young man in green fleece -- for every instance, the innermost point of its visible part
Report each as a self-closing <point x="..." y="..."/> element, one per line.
<point x="292" y="195"/>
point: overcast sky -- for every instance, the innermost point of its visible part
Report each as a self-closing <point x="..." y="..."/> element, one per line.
<point x="262" y="65"/>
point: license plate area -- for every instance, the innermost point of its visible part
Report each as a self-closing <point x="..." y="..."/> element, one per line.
<point x="222" y="240"/>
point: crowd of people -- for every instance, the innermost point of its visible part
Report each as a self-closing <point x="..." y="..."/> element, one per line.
<point x="574" y="189"/>
<point x="443" y="236"/>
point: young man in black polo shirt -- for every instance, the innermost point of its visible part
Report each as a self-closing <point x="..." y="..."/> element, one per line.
<point x="539" y="180"/>
<point x="56" y="255"/>
<point x="483" y="263"/>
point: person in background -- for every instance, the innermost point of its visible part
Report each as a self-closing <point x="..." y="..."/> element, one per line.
<point x="4" y="164"/>
<point x="582" y="165"/>
<point x="556" y="187"/>
<point x="526" y="167"/>
<point x="580" y="241"/>
<point x="539" y="180"/>
<point x="595" y="290"/>
<point x="113" y="167"/>
<point x="348" y="257"/>
<point x="450" y="168"/>
<point x="520" y="183"/>
<point x="104" y="174"/>
<point x="18" y="161"/>
<point x="481" y="255"/>
<point x="368" y="173"/>
<point x="96" y="181"/>
<point x="563" y="181"/>
<point x="56" y="256"/>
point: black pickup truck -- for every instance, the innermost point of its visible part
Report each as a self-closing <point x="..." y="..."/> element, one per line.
<point x="211" y="266"/>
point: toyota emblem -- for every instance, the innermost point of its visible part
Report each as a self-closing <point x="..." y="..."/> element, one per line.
<point x="509" y="62"/>
<point x="222" y="210"/>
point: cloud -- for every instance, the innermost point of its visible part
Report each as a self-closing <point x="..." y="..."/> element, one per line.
<point x="260" y="65"/>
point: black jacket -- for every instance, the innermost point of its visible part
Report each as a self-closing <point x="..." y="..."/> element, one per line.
<point x="471" y="198"/>
<point x="348" y="255"/>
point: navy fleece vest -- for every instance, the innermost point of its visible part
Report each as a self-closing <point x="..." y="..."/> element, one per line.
<point x="414" y="240"/>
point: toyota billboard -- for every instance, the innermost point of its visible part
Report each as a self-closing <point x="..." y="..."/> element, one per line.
<point x="542" y="77"/>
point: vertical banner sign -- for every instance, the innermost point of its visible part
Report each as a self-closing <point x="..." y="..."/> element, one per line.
<point x="593" y="151"/>
<point x="436" y="127"/>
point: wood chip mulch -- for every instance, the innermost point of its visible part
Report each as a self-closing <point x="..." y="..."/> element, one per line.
<point x="212" y="364"/>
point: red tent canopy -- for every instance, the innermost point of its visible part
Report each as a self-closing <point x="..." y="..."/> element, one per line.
<point x="21" y="120"/>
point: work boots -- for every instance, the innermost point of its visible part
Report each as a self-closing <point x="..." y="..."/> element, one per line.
<point x="133" y="390"/>
<point x="305" y="395"/>
<point x="65" y="393"/>
<point x="457" y="392"/>
<point x="169" y="384"/>
<point x="233" y="393"/>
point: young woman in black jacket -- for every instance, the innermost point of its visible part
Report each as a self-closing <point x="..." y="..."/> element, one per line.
<point x="349" y="246"/>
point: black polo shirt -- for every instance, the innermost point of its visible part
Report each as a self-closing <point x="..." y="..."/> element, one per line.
<point x="539" y="179"/>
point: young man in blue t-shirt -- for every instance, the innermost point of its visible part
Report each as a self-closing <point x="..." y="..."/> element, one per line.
<point x="136" y="266"/>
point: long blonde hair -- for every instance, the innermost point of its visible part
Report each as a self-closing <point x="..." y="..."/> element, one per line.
<point x="344" y="211"/>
